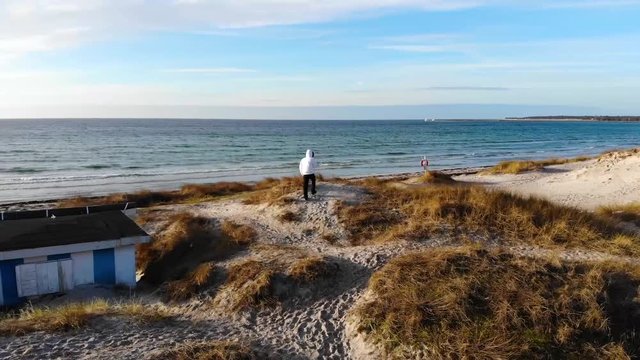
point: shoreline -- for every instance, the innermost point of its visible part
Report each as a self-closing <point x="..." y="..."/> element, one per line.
<point x="51" y="203"/>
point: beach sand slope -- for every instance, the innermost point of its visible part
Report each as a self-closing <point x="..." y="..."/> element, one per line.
<point x="613" y="178"/>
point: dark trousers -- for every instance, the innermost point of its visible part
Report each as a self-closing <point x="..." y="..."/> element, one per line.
<point x="305" y="185"/>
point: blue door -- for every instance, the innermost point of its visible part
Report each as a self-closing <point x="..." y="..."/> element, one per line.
<point x="104" y="266"/>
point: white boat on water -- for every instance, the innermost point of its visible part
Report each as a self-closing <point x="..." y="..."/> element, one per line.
<point x="429" y="120"/>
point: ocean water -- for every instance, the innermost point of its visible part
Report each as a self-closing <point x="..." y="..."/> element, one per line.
<point x="48" y="159"/>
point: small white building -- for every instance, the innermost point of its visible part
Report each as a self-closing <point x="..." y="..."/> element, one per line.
<point x="45" y="255"/>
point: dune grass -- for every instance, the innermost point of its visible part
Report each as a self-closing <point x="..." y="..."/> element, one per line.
<point x="272" y="274"/>
<point x="330" y="238"/>
<point x="188" y="286"/>
<point x="521" y="166"/>
<point x="309" y="269"/>
<point x="436" y="177"/>
<point x="274" y="191"/>
<point x="471" y="212"/>
<point x="288" y="216"/>
<point x="627" y="212"/>
<point x="146" y="198"/>
<point x="251" y="283"/>
<point x="475" y="304"/>
<point x="185" y="242"/>
<point x="211" y="350"/>
<point x="74" y="316"/>
<point x="239" y="233"/>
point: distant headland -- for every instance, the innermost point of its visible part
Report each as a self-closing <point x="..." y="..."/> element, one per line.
<point x="581" y="118"/>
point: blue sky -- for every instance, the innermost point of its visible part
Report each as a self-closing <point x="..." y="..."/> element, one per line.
<point x="318" y="59"/>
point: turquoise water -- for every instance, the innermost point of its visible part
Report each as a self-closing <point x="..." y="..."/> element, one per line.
<point x="47" y="159"/>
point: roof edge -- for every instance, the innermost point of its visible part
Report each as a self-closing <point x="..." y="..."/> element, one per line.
<point x="73" y="248"/>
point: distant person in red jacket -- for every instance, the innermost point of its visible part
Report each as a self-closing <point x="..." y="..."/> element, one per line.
<point x="308" y="166"/>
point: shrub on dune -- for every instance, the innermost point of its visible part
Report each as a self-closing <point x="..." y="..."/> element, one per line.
<point x="145" y="198"/>
<point x="309" y="269"/>
<point x="477" y="304"/>
<point x="461" y="212"/>
<point x="436" y="177"/>
<point x="521" y="166"/>
<point x="239" y="233"/>
<point x="191" y="284"/>
<point x="627" y="212"/>
<point x="273" y="274"/>
<point x="197" y="191"/>
<point x="274" y="191"/>
<point x="210" y="350"/>
<point x="75" y="315"/>
<point x="185" y="242"/>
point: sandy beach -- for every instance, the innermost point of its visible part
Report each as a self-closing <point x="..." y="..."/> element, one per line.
<point x="611" y="179"/>
<point x="315" y="319"/>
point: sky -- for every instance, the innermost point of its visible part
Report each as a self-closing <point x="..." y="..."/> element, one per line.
<point x="323" y="59"/>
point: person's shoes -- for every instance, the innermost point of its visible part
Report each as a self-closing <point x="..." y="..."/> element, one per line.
<point x="313" y="192"/>
<point x="306" y="198"/>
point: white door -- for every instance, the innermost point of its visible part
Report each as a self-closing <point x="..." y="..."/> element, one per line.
<point x="66" y="274"/>
<point x="44" y="278"/>
<point x="48" y="280"/>
<point x="26" y="279"/>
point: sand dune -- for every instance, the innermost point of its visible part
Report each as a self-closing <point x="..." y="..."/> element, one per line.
<point x="611" y="179"/>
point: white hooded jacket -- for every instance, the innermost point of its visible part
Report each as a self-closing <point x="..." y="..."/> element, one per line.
<point x="308" y="164"/>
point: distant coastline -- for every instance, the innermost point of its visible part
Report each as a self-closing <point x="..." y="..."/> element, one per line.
<point x="578" y="118"/>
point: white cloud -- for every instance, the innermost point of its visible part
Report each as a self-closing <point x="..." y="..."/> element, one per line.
<point x="417" y="48"/>
<point x="592" y="3"/>
<point x="220" y="70"/>
<point x="40" y="25"/>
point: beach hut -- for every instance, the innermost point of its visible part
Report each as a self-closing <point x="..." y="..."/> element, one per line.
<point x="50" y="255"/>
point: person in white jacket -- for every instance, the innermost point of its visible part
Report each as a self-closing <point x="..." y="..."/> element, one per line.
<point x="308" y="166"/>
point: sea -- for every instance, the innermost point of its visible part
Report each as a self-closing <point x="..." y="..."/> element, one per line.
<point x="43" y="159"/>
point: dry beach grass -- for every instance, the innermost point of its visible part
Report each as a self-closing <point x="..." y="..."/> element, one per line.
<point x="520" y="166"/>
<point x="75" y="315"/>
<point x="466" y="212"/>
<point x="270" y="277"/>
<point x="210" y="350"/>
<point x="627" y="212"/>
<point x="477" y="304"/>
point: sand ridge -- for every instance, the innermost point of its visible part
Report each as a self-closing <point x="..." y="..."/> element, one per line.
<point x="611" y="179"/>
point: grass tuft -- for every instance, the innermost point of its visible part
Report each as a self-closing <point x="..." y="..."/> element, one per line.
<point x="241" y="234"/>
<point x="330" y="238"/>
<point x="477" y="304"/>
<point x="146" y="198"/>
<point x="185" y="242"/>
<point x="628" y="212"/>
<point x="436" y="177"/>
<point x="251" y="283"/>
<point x="74" y="316"/>
<point x="210" y="350"/>
<point x="288" y="216"/>
<point x="190" y="285"/>
<point x="274" y="274"/>
<point x="274" y="191"/>
<point x="310" y="269"/>
<point x="521" y="166"/>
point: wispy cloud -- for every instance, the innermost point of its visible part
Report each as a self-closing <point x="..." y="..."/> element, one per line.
<point x="591" y="3"/>
<point x="425" y="43"/>
<point x="36" y="23"/>
<point x="54" y="39"/>
<point x="418" y="48"/>
<point x="215" y="70"/>
<point x="464" y="88"/>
